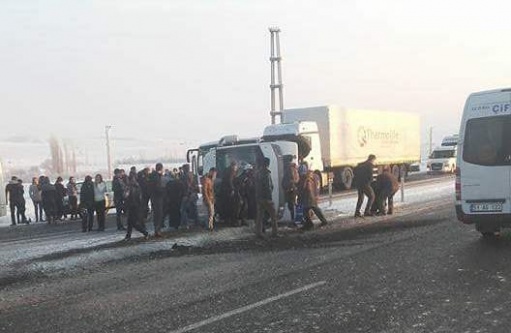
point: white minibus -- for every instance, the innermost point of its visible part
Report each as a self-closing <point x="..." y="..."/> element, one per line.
<point x="483" y="174"/>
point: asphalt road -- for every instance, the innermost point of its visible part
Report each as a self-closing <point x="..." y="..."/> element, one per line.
<point x="417" y="271"/>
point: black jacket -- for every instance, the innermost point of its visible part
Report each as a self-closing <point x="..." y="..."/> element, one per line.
<point x="264" y="185"/>
<point x="87" y="194"/>
<point x="363" y="174"/>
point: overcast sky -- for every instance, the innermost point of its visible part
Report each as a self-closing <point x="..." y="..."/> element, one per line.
<point x="191" y="71"/>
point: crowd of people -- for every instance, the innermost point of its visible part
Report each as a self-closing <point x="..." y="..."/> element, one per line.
<point x="172" y="195"/>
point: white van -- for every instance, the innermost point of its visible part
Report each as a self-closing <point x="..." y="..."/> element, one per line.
<point x="442" y="159"/>
<point x="483" y="175"/>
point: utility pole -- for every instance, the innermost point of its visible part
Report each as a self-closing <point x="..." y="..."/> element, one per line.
<point x="108" y="153"/>
<point x="430" y="141"/>
<point x="275" y="60"/>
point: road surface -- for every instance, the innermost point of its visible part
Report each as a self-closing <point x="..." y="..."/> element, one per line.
<point x="417" y="271"/>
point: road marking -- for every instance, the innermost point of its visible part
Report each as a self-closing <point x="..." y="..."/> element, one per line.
<point x="247" y="307"/>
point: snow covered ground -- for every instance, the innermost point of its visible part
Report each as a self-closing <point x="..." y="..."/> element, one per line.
<point x="72" y="249"/>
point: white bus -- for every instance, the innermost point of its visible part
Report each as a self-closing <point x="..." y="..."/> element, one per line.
<point x="483" y="175"/>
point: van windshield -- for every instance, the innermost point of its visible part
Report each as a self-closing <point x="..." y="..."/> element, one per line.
<point x="443" y="154"/>
<point x="488" y="141"/>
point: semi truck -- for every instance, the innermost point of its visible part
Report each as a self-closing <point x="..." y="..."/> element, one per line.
<point x="333" y="139"/>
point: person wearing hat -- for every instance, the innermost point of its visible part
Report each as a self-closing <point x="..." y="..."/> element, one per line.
<point x="363" y="176"/>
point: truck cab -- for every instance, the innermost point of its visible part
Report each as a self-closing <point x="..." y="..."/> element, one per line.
<point x="306" y="136"/>
<point x="442" y="160"/>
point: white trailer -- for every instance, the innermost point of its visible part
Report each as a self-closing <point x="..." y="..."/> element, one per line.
<point x="347" y="136"/>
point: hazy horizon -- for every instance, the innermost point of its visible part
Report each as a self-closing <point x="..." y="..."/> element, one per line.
<point x="174" y="74"/>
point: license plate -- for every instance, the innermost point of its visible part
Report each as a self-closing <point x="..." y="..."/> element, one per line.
<point x="486" y="207"/>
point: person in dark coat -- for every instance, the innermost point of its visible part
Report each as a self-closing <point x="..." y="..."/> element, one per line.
<point x="143" y="181"/>
<point x="135" y="207"/>
<point x="49" y="197"/>
<point x="61" y="192"/>
<point x="157" y="190"/>
<point x="189" y="202"/>
<point x="87" y="203"/>
<point x="21" y="203"/>
<point x="363" y="176"/>
<point x="12" y="197"/>
<point x="175" y="194"/>
<point x="387" y="185"/>
<point x="119" y="187"/>
<point x="247" y="193"/>
<point x="264" y="191"/>
<point x="309" y="200"/>
<point x="230" y="201"/>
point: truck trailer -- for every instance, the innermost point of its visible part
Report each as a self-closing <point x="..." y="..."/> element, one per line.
<point x="339" y="138"/>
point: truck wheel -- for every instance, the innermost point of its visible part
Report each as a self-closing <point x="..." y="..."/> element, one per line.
<point x="347" y="177"/>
